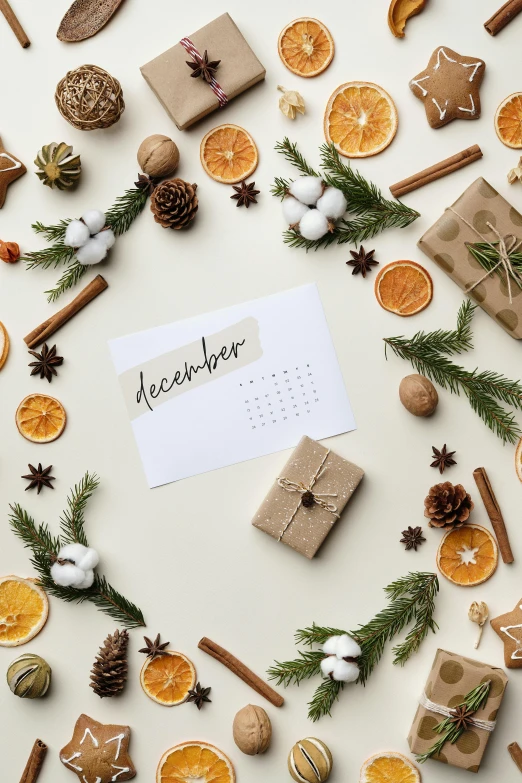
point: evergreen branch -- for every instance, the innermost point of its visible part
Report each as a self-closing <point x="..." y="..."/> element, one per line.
<point x="316" y="634"/>
<point x="324" y="698"/>
<point x="114" y="604"/>
<point x="69" y="278"/>
<point x="488" y="257"/>
<point x="73" y="519"/>
<point x="39" y="539"/>
<point x="50" y="256"/>
<point x="54" y="233"/>
<point x="280" y="187"/>
<point x="126" y="209"/>
<point x="294" y="157"/>
<point x="302" y="668"/>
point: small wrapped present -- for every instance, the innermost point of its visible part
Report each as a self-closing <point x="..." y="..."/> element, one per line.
<point x="308" y="497"/>
<point x="451" y="678"/>
<point x="481" y="215"/>
<point x="186" y="99"/>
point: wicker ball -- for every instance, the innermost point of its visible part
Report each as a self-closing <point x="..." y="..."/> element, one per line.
<point x="89" y="98"/>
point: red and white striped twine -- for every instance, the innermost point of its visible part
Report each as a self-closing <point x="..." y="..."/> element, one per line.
<point x="215" y="86"/>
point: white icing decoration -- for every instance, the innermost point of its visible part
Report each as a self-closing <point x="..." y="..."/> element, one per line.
<point x="475" y="67"/>
<point x="417" y="83"/>
<point x="94" y="740"/>
<point x="121" y="772"/>
<point x="17" y="164"/>
<point x="68" y="761"/>
<point x="449" y="59"/>
<point x="518" y="642"/>
<point x="98" y="780"/>
<point x="469" y="111"/>
<point x="118" y="738"/>
<point x="442" y="112"/>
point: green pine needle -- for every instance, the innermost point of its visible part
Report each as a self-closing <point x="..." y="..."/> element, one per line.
<point x="487" y="256"/>
<point x="73" y="519"/>
<point x="69" y="278"/>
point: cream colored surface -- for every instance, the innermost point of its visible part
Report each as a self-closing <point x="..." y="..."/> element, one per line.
<point x="186" y="552"/>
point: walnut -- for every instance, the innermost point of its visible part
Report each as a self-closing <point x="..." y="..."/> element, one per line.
<point x="418" y="395"/>
<point x="158" y="156"/>
<point x="252" y="730"/>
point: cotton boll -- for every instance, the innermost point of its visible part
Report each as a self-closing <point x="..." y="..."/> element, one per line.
<point x="345" y="672"/>
<point x="92" y="252"/>
<point x="330" y="646"/>
<point x="94" y="220"/>
<point x="106" y="237"/>
<point x="332" y="203"/>
<point x="73" y="552"/>
<point x="347" y="647"/>
<point x="328" y="665"/>
<point x="307" y="189"/>
<point x="76" y="234"/>
<point x="88" y="560"/>
<point x="86" y="582"/>
<point x="293" y="210"/>
<point x="313" y="225"/>
<point x="67" y="575"/>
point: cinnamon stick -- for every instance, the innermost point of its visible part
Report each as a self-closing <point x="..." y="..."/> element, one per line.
<point x="49" y="327"/>
<point x="515" y="751"/>
<point x="241" y="671"/>
<point x="503" y="16"/>
<point x="437" y="171"/>
<point x="494" y="513"/>
<point x="34" y="762"/>
<point x="14" y="24"/>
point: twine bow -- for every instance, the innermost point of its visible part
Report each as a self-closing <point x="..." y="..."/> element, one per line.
<point x="318" y="497"/>
<point x="449" y="712"/>
<point x="213" y="84"/>
<point x="506" y="247"/>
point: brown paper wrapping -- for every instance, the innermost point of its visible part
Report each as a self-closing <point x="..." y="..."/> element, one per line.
<point x="310" y="526"/>
<point x="444" y="244"/>
<point x="187" y="100"/>
<point x="451" y="678"/>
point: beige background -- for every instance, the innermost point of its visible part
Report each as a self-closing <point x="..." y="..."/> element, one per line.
<point x="186" y="552"/>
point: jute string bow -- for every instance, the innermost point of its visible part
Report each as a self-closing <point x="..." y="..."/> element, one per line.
<point x="317" y="497"/>
<point x="506" y="247"/>
<point x="448" y="712"/>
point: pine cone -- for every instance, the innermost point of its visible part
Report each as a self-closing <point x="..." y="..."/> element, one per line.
<point x="174" y="203"/>
<point x="109" y="672"/>
<point x="448" y="505"/>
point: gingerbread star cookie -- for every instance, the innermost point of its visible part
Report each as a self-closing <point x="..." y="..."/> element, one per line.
<point x="98" y="753"/>
<point x="509" y="628"/>
<point x="10" y="169"/>
<point x="449" y="87"/>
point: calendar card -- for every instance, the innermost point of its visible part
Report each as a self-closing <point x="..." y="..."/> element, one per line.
<point x="231" y="385"/>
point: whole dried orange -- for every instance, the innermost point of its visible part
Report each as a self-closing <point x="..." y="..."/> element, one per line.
<point x="306" y="47"/>
<point x="468" y="555"/>
<point x="518" y="459"/>
<point x="403" y="287"/>
<point x="360" y="119"/>
<point x="389" y="767"/>
<point x="4" y="344"/>
<point x="24" y="609"/>
<point x="167" y="679"/>
<point x="508" y="121"/>
<point x="40" y="418"/>
<point x="228" y="154"/>
<point x="195" y="762"/>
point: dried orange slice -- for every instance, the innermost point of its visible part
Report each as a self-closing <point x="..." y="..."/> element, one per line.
<point x="508" y="121"/>
<point x="518" y="459"/>
<point x="40" y="418"/>
<point x="389" y="767"/>
<point x="24" y="609"/>
<point x="468" y="555"/>
<point x="360" y="119"/>
<point x="4" y="344"/>
<point x="403" y="287"/>
<point x="167" y="679"/>
<point x="195" y="762"/>
<point x="306" y="47"/>
<point x="228" y="154"/>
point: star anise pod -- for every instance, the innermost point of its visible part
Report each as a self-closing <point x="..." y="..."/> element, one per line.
<point x="146" y="183"/>
<point x="412" y="538"/>
<point x="39" y="477"/>
<point x="203" y="68"/>
<point x="47" y="360"/>
<point x="154" y="648"/>
<point x="362" y="261"/>
<point x="245" y="194"/>
<point x="461" y="717"/>
<point x="199" y="696"/>
<point x="443" y="458"/>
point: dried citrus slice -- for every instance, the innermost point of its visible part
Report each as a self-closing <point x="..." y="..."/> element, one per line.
<point x="389" y="767"/>
<point x="24" y="609"/>
<point x="403" y="287"/>
<point x="167" y="679"/>
<point x="228" y="154"/>
<point x="518" y="459"/>
<point x="306" y="47"/>
<point x="468" y="555"/>
<point x="4" y="344"/>
<point x="360" y="119"/>
<point x="195" y="762"/>
<point x="40" y="418"/>
<point x="508" y="121"/>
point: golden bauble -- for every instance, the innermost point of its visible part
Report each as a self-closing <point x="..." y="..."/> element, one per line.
<point x="252" y="730"/>
<point x="418" y="395"/>
<point x="158" y="156"/>
<point x="310" y="760"/>
<point x="29" y="676"/>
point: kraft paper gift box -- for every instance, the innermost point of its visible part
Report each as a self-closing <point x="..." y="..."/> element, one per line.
<point x="185" y="99"/>
<point x="290" y="515"/>
<point x="467" y="221"/>
<point x="450" y="679"/>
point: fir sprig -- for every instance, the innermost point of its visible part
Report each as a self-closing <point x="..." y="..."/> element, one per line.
<point x="69" y="278"/>
<point x="488" y="257"/>
<point x="45" y="548"/>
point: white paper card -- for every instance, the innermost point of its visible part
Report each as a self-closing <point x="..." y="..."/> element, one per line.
<point x="231" y="385"/>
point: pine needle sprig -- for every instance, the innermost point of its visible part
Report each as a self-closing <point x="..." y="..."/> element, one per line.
<point x="323" y="699"/>
<point x="115" y="604"/>
<point x="291" y="154"/>
<point x="54" y="233"/>
<point x="488" y="257"/>
<point x="293" y="672"/>
<point x="69" y="278"/>
<point x="315" y="634"/>
<point x="73" y="518"/>
<point x="126" y="209"/>
<point x="53" y="256"/>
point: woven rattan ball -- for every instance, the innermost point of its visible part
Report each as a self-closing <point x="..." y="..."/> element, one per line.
<point x="89" y="98"/>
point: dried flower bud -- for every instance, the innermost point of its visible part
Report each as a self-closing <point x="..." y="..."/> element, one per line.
<point x="9" y="252"/>
<point x="515" y="174"/>
<point x="291" y="102"/>
<point x="478" y="613"/>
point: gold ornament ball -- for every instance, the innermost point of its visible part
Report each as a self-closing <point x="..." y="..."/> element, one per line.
<point x="310" y="760"/>
<point x="418" y="395"/>
<point x="29" y="676"/>
<point x="89" y="98"/>
<point x="252" y="730"/>
<point x="158" y="156"/>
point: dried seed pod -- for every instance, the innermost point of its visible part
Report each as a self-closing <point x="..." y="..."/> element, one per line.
<point x="29" y="676"/>
<point x="252" y="730"/>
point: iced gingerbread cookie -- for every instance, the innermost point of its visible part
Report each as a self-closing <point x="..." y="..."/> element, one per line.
<point x="509" y="628"/>
<point x="10" y="169"/>
<point x="98" y="753"/>
<point x="449" y="87"/>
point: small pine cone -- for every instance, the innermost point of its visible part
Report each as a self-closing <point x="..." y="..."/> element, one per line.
<point x="174" y="203"/>
<point x="448" y="505"/>
<point x="308" y="499"/>
<point x="109" y="672"/>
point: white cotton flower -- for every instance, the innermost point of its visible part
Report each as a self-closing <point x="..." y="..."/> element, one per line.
<point x="328" y="665"/>
<point x="338" y="648"/>
<point x="92" y="252"/>
<point x="79" y="572"/>
<point x="106" y="237"/>
<point x="67" y="575"/>
<point x="344" y="671"/>
<point x="332" y="203"/>
<point x="313" y="225"/>
<point x="76" y="234"/>
<point x="73" y="552"/>
<point x="330" y="646"/>
<point x="94" y="219"/>
<point x="87" y="580"/>
<point x="307" y="189"/>
<point x="88" y="560"/>
<point x="293" y="210"/>
<point x="346" y="646"/>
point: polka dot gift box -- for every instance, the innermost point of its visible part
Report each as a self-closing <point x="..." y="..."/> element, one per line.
<point x="450" y="679"/>
<point x="480" y="215"/>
